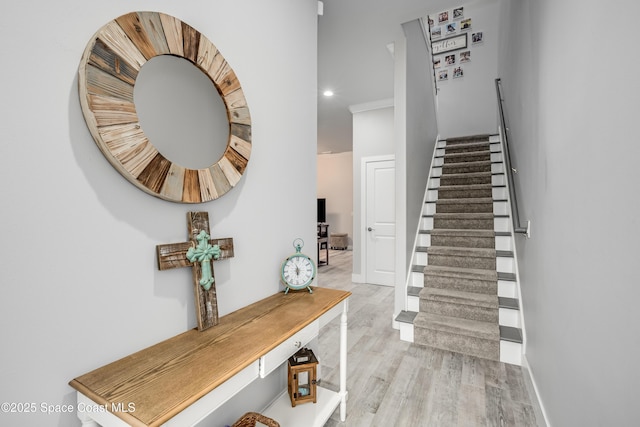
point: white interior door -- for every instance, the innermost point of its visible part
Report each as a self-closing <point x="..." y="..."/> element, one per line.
<point x="380" y="224"/>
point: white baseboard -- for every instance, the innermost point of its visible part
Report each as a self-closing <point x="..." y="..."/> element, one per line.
<point x="357" y="278"/>
<point x="525" y="364"/>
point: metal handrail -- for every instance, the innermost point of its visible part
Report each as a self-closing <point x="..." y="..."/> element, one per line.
<point x="515" y="216"/>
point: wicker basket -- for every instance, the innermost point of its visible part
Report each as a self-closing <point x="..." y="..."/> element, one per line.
<point x="249" y="420"/>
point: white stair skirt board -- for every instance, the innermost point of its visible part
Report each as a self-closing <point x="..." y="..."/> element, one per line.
<point x="436" y="172"/>
<point x="496" y="157"/>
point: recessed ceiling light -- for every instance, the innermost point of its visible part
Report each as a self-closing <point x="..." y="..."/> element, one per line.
<point x="328" y="93"/>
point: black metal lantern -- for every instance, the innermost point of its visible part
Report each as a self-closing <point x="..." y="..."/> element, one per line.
<point x="302" y="377"/>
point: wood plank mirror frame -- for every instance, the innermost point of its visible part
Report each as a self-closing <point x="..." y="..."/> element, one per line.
<point x="107" y="75"/>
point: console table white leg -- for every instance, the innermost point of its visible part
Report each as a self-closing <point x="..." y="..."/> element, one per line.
<point x="343" y="362"/>
<point x="86" y="420"/>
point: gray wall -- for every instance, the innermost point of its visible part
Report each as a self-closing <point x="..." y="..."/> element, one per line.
<point x="373" y="128"/>
<point x="571" y="92"/>
<point x="467" y="105"/>
<point x="79" y="281"/>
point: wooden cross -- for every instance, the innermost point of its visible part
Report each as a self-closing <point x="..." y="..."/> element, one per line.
<point x="198" y="253"/>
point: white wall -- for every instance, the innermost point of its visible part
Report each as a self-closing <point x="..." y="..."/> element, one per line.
<point x="80" y="286"/>
<point x="571" y="93"/>
<point x="335" y="183"/>
<point x="373" y="135"/>
<point x="467" y="105"/>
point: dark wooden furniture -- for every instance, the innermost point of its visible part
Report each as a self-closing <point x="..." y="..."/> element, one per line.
<point x="323" y="242"/>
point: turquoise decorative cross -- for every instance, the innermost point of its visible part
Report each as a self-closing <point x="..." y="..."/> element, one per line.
<point x="204" y="253"/>
<point x="198" y="253"/>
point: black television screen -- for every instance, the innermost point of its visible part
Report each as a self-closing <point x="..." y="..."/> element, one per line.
<point x="322" y="210"/>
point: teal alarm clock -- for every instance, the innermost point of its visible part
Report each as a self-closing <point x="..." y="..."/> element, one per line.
<point x="297" y="270"/>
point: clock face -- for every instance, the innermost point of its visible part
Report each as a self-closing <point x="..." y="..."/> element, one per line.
<point x="298" y="271"/>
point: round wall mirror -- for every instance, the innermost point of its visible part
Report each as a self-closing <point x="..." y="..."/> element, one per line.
<point x="108" y="71"/>
<point x="174" y="98"/>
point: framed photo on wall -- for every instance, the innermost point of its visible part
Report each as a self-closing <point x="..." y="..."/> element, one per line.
<point x="449" y="44"/>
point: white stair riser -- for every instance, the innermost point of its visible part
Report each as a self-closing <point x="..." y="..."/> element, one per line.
<point x="429" y="208"/>
<point x="417" y="279"/>
<point x="424" y="239"/>
<point x="509" y="317"/>
<point x="497" y="168"/>
<point x="413" y="303"/>
<point x="505" y="265"/>
<point x="498" y="179"/>
<point x="510" y="352"/>
<point x="420" y="258"/>
<point x="406" y="332"/>
<point x="499" y="193"/>
<point x="500" y="208"/>
<point x="507" y="289"/>
<point x="426" y="223"/>
<point x="502" y="224"/>
<point x="503" y="243"/>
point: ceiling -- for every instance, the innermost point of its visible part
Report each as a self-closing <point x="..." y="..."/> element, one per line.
<point x="354" y="60"/>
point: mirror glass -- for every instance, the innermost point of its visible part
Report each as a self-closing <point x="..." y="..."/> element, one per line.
<point x="181" y="112"/>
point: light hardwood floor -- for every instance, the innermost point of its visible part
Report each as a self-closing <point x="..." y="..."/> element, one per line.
<point x="395" y="383"/>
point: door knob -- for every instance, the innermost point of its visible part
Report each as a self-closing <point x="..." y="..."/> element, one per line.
<point x="370" y="229"/>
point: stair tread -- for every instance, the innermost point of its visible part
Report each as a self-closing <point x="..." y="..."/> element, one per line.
<point x="461" y="273"/>
<point x="458" y="201"/>
<point x="480" y="136"/>
<point x="465" y="187"/>
<point x="458" y="326"/>
<point x="468" y="153"/>
<point x="505" y="302"/>
<point x="457" y="251"/>
<point x="509" y="333"/>
<point x="406" y="316"/>
<point x="466" y="175"/>
<point x="414" y="291"/>
<point x="511" y="277"/>
<point x="467" y="144"/>
<point x="462" y="232"/>
<point x="459" y="297"/>
<point x="466" y="215"/>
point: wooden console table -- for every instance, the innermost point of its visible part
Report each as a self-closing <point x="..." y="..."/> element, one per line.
<point x="178" y="382"/>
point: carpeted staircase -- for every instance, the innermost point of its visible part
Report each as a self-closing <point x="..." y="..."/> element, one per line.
<point x="459" y="304"/>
